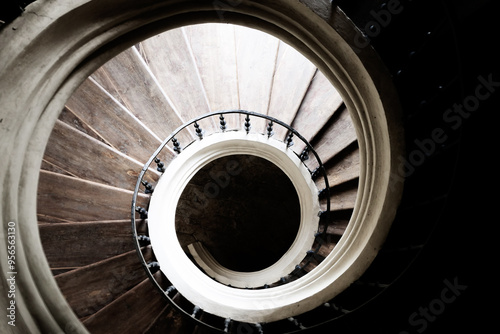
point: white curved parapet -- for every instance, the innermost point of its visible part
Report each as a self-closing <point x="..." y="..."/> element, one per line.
<point x="175" y="263"/>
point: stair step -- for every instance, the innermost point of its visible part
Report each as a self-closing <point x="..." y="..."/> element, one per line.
<point x="131" y="313"/>
<point x="176" y="71"/>
<point x="70" y="118"/>
<point x="82" y="243"/>
<point x="335" y="136"/>
<point x="292" y="79"/>
<point x="90" y="288"/>
<point x="342" y="197"/>
<point x="335" y="227"/>
<point x="170" y="321"/>
<point x="256" y="56"/>
<point x="341" y="169"/>
<point x="74" y="199"/>
<point x="216" y="65"/>
<point x="135" y="85"/>
<point x="101" y="112"/>
<point x="319" y="104"/>
<point x="87" y="158"/>
<point x="47" y="166"/>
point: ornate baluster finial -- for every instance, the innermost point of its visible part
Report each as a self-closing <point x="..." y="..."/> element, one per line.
<point x="222" y="123"/>
<point x="247" y="124"/>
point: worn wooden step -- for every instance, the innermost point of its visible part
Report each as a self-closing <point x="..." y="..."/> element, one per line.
<point x="74" y="199"/>
<point x="170" y="321"/>
<point x="335" y="136"/>
<point x="213" y="48"/>
<point x="70" y="118"/>
<point x="170" y="59"/>
<point x="85" y="157"/>
<point x="343" y="197"/>
<point x="102" y="113"/>
<point x="129" y="79"/>
<point x="318" y="106"/>
<point x="50" y="167"/>
<point x="78" y="244"/>
<point x="256" y="54"/>
<point x="343" y="168"/>
<point x="335" y="227"/>
<point x="131" y="313"/>
<point x="90" y="288"/>
<point x="292" y="79"/>
<point x="43" y="218"/>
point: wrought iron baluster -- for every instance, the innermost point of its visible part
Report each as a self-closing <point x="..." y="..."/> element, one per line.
<point x="270" y="131"/>
<point x="289" y="139"/>
<point x="196" y="310"/>
<point x="149" y="187"/>
<point x="199" y="131"/>
<point x="170" y="289"/>
<point x="296" y="323"/>
<point x="144" y="240"/>
<point x="222" y="123"/>
<point x="305" y="154"/>
<point x="177" y="145"/>
<point x="160" y="165"/>
<point x="311" y="256"/>
<point x="227" y="323"/>
<point x="336" y="308"/>
<point x="153" y="266"/>
<point x="247" y="124"/>
<point x="315" y="173"/>
<point x="142" y="212"/>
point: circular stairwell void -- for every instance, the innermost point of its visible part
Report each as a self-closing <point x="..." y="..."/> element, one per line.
<point x="249" y="216"/>
<point x="194" y="284"/>
<point x="51" y="59"/>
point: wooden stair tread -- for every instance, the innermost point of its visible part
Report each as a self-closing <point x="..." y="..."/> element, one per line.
<point x="256" y="54"/>
<point x="176" y="72"/>
<point x="335" y="136"/>
<point x="102" y="113"/>
<point x="216" y="65"/>
<point x="335" y="227"/>
<point x="87" y="158"/>
<point x="74" y="199"/>
<point x="292" y="79"/>
<point x="78" y="244"/>
<point x="320" y="103"/>
<point x="140" y="92"/>
<point x="131" y="313"/>
<point x="344" y="169"/>
<point x="170" y="321"/>
<point x="71" y="119"/>
<point x="90" y="288"/>
<point x="343" y="197"/>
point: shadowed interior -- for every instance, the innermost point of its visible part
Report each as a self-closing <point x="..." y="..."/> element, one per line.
<point x="243" y="209"/>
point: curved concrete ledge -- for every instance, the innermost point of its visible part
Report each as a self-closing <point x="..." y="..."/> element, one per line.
<point x="161" y="217"/>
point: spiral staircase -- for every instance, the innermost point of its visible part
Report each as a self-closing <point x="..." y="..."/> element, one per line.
<point x="101" y="166"/>
<point x="119" y="116"/>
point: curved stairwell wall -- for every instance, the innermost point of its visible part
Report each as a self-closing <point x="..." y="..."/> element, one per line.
<point x="31" y="108"/>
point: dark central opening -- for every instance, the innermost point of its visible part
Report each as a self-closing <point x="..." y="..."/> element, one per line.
<point x="243" y="209"/>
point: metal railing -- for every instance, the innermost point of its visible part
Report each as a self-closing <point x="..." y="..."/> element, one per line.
<point x="140" y="214"/>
